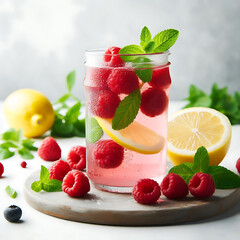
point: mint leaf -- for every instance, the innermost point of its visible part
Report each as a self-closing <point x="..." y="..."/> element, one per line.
<point x="5" y="153"/>
<point x="52" y="185"/>
<point x="143" y="68"/>
<point x="11" y="192"/>
<point x="28" y="143"/>
<point x="145" y="37"/>
<point x="223" y="178"/>
<point x="25" y="153"/>
<point x="36" y="186"/>
<point x="8" y="145"/>
<point x="149" y="47"/>
<point x="63" y="99"/>
<point x="79" y="128"/>
<point x="10" y="134"/>
<point x="201" y="160"/>
<point x="184" y="171"/>
<point x="127" y="110"/>
<point x="130" y="49"/>
<point x="71" y="77"/>
<point x="44" y="174"/>
<point x="94" y="131"/>
<point x="73" y="113"/>
<point x="165" y="39"/>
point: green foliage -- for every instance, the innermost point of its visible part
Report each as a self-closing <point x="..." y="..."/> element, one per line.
<point x="219" y="99"/>
<point x="11" y="192"/>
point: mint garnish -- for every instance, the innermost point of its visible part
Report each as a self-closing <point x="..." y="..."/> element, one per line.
<point x="67" y="111"/>
<point x="11" y="192"/>
<point x="94" y="131"/>
<point x="46" y="184"/>
<point x="129" y="106"/>
<point x="223" y="178"/>
<point x="127" y="110"/>
<point x="13" y="142"/>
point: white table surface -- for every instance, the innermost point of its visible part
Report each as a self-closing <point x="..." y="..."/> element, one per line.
<point x="36" y="225"/>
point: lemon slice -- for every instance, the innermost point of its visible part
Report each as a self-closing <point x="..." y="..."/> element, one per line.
<point x="192" y="128"/>
<point x="135" y="137"/>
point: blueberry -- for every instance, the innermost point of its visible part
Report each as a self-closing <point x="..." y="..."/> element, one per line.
<point x="13" y="213"/>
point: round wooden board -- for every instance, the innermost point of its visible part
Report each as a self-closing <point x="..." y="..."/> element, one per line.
<point x="101" y="207"/>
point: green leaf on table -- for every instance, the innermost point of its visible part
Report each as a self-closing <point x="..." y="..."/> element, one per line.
<point x="73" y="113"/>
<point x="127" y="110"/>
<point x="94" y="131"/>
<point x="11" y="192"/>
<point x="25" y="153"/>
<point x="223" y="178"/>
<point x="36" y="186"/>
<point x="8" y="144"/>
<point x="165" y="39"/>
<point x="10" y="134"/>
<point x="5" y="153"/>
<point x="28" y="143"/>
<point x="201" y="160"/>
<point x="145" y="37"/>
<point x="71" y="77"/>
<point x="184" y="170"/>
<point x="130" y="49"/>
<point x="52" y="185"/>
<point x="44" y="174"/>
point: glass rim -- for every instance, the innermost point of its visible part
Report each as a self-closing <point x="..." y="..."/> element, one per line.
<point x="101" y="51"/>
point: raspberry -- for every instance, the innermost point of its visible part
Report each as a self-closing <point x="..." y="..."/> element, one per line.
<point x="174" y="187"/>
<point x="146" y="191"/>
<point x="201" y="185"/>
<point x="161" y="78"/>
<point x="105" y="104"/>
<point x="97" y="77"/>
<point x="112" y="58"/>
<point x="77" y="158"/>
<point x="123" y="81"/>
<point x="49" y="150"/>
<point x="108" y="154"/>
<point x="1" y="169"/>
<point x="58" y="170"/>
<point x="153" y="102"/>
<point x="237" y="166"/>
<point x="23" y="164"/>
<point x="75" y="184"/>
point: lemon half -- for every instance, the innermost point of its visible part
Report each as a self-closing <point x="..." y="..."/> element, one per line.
<point x="191" y="128"/>
<point x="135" y="137"/>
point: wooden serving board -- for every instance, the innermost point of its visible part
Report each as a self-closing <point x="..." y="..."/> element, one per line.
<point x="101" y="207"/>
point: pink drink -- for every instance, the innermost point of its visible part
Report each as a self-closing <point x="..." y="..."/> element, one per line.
<point x="134" y="165"/>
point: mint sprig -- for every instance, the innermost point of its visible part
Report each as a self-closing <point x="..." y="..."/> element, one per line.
<point x="46" y="184"/>
<point x="219" y="99"/>
<point x="67" y="111"/>
<point x="223" y="178"/>
<point x="13" y="142"/>
<point x="143" y="67"/>
<point x="11" y="192"/>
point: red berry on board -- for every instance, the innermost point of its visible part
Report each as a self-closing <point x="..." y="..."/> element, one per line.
<point x="161" y="78"/>
<point x="104" y="104"/>
<point x="23" y="164"/>
<point x="201" y="185"/>
<point x="238" y="165"/>
<point x="58" y="170"/>
<point x="123" y="81"/>
<point x="49" y="150"/>
<point x="174" y="187"/>
<point x="146" y="191"/>
<point x="75" y="184"/>
<point x="153" y="102"/>
<point x="1" y="169"/>
<point x="111" y="57"/>
<point x="77" y="158"/>
<point x="108" y="154"/>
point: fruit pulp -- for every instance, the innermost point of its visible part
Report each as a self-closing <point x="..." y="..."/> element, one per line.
<point x="135" y="165"/>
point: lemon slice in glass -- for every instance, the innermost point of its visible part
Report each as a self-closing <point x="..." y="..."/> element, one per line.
<point x="191" y="128"/>
<point x="135" y="137"/>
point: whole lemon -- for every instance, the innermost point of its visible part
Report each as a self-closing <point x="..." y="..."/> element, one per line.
<point x="30" y="110"/>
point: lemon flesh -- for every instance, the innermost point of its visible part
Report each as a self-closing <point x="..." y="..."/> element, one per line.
<point x="30" y="110"/>
<point x="135" y="137"/>
<point x="192" y="128"/>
